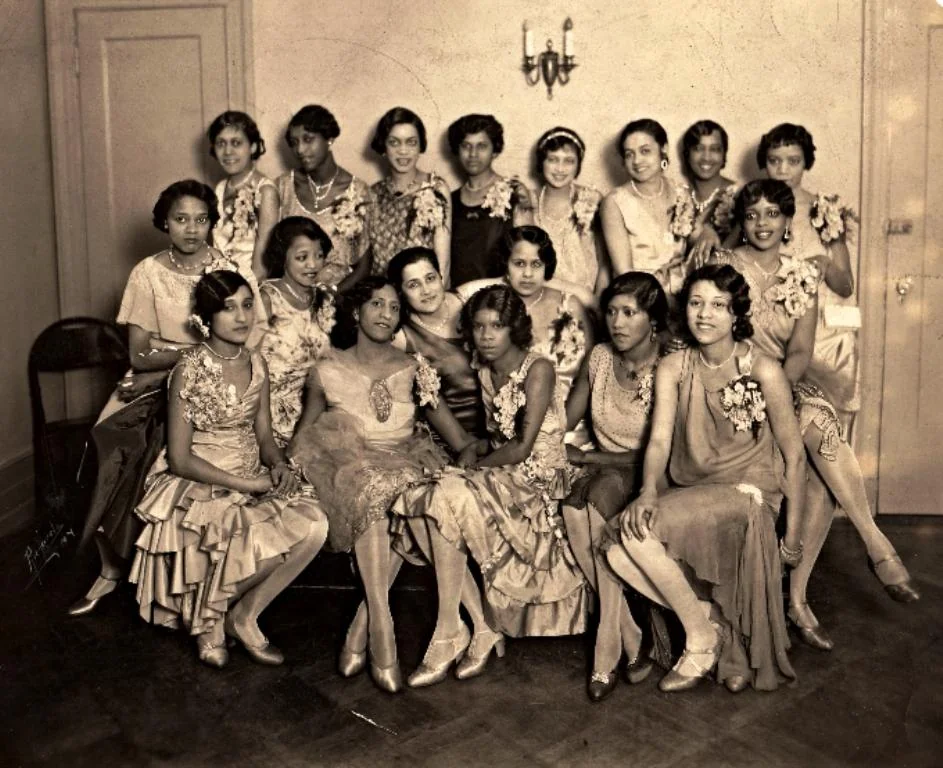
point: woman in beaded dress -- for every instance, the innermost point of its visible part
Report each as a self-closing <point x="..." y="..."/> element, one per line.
<point x="227" y="526"/>
<point x="326" y="193"/>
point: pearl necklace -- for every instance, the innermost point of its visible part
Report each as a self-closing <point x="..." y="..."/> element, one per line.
<point x="306" y="301"/>
<point x="400" y="192"/>
<point x="718" y="365"/>
<point x="698" y="205"/>
<point x="185" y="267"/>
<point x="553" y="219"/>
<point x="768" y="273"/>
<point x="533" y="304"/>
<point x="316" y="193"/>
<point x="435" y="328"/>
<point x="222" y="356"/>
<point x="661" y="188"/>
<point x="231" y="188"/>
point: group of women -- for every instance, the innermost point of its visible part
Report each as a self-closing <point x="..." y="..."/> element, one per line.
<point x="325" y="387"/>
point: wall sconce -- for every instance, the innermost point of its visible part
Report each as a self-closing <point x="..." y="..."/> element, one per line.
<point x="548" y="63"/>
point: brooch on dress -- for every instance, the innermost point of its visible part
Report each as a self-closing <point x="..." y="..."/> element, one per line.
<point x="381" y="400"/>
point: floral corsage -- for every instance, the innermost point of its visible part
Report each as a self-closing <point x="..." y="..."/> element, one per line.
<point x="722" y="215"/>
<point x="831" y="217"/>
<point x="348" y="213"/>
<point x="800" y="283"/>
<point x="567" y="341"/>
<point x="207" y="401"/>
<point x="508" y="402"/>
<point x="682" y="214"/>
<point x="498" y="200"/>
<point x="743" y="404"/>
<point x="584" y="208"/>
<point x="646" y="390"/>
<point x="324" y="307"/>
<point x="540" y="478"/>
<point x="427" y="383"/>
<point x="429" y="207"/>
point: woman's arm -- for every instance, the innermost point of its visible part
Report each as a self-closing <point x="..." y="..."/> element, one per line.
<point x="782" y="420"/>
<point x="837" y="269"/>
<point x="268" y="218"/>
<point x="445" y="423"/>
<point x="359" y="271"/>
<point x="284" y="481"/>
<point x="523" y="211"/>
<point x="582" y="317"/>
<point x="442" y="240"/>
<point x="577" y="402"/>
<point x="801" y="344"/>
<point x="538" y="389"/>
<point x="315" y="404"/>
<point x="616" y="234"/>
<point x="144" y="357"/>
<point x="609" y="459"/>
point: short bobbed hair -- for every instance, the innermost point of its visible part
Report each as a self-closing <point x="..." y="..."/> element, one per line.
<point x="772" y="190"/>
<point x="784" y="135"/>
<point x="407" y="257"/>
<point x="284" y="234"/>
<point x="530" y="233"/>
<point x="211" y="292"/>
<point x="726" y="279"/>
<point x="241" y="121"/>
<point x="314" y="119"/>
<point x="179" y="189"/>
<point x="558" y="138"/>
<point x="645" y="125"/>
<point x="474" y="123"/>
<point x="694" y="134"/>
<point x="510" y="309"/>
<point x="394" y="117"/>
<point x="344" y="334"/>
<point x="647" y="292"/>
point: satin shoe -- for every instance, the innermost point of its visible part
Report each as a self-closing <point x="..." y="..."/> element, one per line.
<point x="700" y="662"/>
<point x="265" y="653"/>
<point x="478" y="653"/>
<point x="215" y="656"/>
<point x="440" y="655"/>
<point x="637" y="671"/>
<point x="102" y="586"/>
<point x="389" y="679"/>
<point x="904" y="591"/>
<point x="816" y="636"/>
<point x="350" y="662"/>
<point x="736" y="683"/>
<point x="601" y="685"/>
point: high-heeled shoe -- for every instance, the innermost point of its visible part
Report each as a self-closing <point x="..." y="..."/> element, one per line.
<point x="638" y="670"/>
<point x="814" y="636"/>
<point x="701" y="662"/>
<point x="904" y="590"/>
<point x="601" y="685"/>
<point x="102" y="586"/>
<point x="389" y="679"/>
<point x="215" y="656"/>
<point x="736" y="683"/>
<point x="264" y="653"/>
<point x="479" y="650"/>
<point x="351" y="663"/>
<point x="440" y="655"/>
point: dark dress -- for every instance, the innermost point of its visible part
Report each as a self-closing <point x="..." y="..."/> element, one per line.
<point x="475" y="238"/>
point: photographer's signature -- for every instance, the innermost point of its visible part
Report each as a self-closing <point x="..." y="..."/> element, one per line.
<point x="45" y="546"/>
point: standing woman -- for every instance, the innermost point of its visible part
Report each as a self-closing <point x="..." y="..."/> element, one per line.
<point x="567" y="210"/>
<point x="409" y="207"/>
<point x="724" y="430"/>
<point x="323" y="191"/>
<point x="636" y="217"/>
<point x="487" y="204"/>
<point x="248" y="200"/>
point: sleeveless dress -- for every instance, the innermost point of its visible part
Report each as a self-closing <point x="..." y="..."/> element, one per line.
<point x="572" y="237"/>
<point x="238" y="227"/>
<point x="292" y="340"/>
<point x="719" y="522"/>
<point x="834" y="363"/>
<point x="508" y="517"/>
<point x="365" y="449"/>
<point x="200" y="540"/>
<point x="344" y="221"/>
<point x="399" y="221"/>
<point x="648" y="224"/>
<point x="476" y="234"/>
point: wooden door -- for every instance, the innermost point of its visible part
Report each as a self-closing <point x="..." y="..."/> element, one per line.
<point x="907" y="131"/>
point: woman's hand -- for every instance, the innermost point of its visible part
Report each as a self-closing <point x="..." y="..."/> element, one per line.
<point x="468" y="458"/>
<point x="642" y="513"/>
<point x="575" y="456"/>
<point x="702" y="245"/>
<point x="521" y="199"/>
<point x="134" y="385"/>
<point x="283" y="480"/>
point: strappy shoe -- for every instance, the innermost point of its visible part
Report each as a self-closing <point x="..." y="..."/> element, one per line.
<point x="903" y="590"/>
<point x="440" y="655"/>
<point x="479" y="651"/>
<point x="213" y="655"/>
<point x="263" y="653"/>
<point x="814" y="636"/>
<point x="103" y="586"/>
<point x="700" y="662"/>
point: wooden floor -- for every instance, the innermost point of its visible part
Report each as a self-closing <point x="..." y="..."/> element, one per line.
<point x="109" y="690"/>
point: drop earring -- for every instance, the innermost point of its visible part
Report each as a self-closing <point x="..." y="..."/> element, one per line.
<point x="787" y="235"/>
<point x="664" y="164"/>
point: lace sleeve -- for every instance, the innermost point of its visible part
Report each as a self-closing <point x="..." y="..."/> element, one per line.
<point x="139" y="304"/>
<point x="427" y="383"/>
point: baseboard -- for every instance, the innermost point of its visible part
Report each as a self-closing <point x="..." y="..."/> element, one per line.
<point x="16" y="494"/>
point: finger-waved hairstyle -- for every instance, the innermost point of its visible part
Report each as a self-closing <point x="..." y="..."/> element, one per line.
<point x="469" y="124"/>
<point x="394" y="117"/>
<point x="344" y="334"/>
<point x="784" y="135"/>
<point x="536" y="236"/>
<point x="403" y="259"/>
<point x="558" y="138"/>
<point x="284" y="234"/>
<point x="773" y="191"/>
<point x="509" y="308"/>
<point x="314" y="119"/>
<point x="648" y="294"/>
<point x="241" y="121"/>
<point x="645" y="125"/>
<point x="694" y="134"/>
<point x="211" y="292"/>
<point x="726" y="279"/>
<point x="185" y="188"/>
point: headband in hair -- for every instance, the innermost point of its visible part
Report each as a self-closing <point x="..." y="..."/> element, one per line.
<point x="563" y="133"/>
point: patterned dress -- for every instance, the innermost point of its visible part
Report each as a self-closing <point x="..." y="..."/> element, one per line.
<point x="508" y="518"/>
<point x="236" y="231"/>
<point x="572" y="237"/>
<point x="201" y="540"/>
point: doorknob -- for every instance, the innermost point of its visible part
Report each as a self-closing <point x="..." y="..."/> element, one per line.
<point x="904" y="284"/>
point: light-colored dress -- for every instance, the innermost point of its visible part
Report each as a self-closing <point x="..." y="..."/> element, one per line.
<point x="236" y="231"/>
<point x="648" y="225"/>
<point x="719" y="522"/>
<point x="200" y="540"/>
<point x="292" y="340"/>
<point x="365" y="449"/>
<point x="573" y="238"/>
<point x="508" y="518"/>
<point x="834" y="364"/>
<point x="160" y="300"/>
<point x="344" y="221"/>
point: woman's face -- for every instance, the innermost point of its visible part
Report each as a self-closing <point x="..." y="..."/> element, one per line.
<point x="526" y="271"/>
<point x="378" y="317"/>
<point x="188" y="224"/>
<point x="311" y="149"/>
<point x="786" y="163"/>
<point x="561" y="166"/>
<point x="234" y="321"/>
<point x="492" y="337"/>
<point x="233" y="150"/>
<point x="403" y="147"/>
<point x="709" y="316"/>
<point x="304" y="259"/>
<point x="476" y="153"/>
<point x="642" y="157"/>
<point x="422" y="287"/>
<point x="627" y="323"/>
<point x="764" y="224"/>
<point x="706" y="158"/>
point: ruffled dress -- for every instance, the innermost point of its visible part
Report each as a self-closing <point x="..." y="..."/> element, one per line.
<point x="572" y="237"/>
<point x="508" y="518"/>
<point x="201" y="540"/>
<point x="719" y="523"/>
<point x="366" y="449"/>
<point x="293" y="339"/>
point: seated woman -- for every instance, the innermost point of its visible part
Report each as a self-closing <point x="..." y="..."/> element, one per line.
<point x="300" y="316"/>
<point x="615" y="388"/>
<point x="130" y="433"/>
<point x="504" y="508"/>
<point x="227" y="526"/>
<point x="487" y="204"/>
<point x="357" y="443"/>
<point x="724" y="429"/>
<point x="784" y="315"/>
